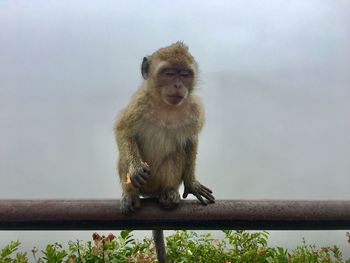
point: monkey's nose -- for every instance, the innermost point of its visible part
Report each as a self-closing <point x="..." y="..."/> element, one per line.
<point x="177" y="86"/>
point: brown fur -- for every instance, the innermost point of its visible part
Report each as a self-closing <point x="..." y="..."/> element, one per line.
<point x="176" y="54"/>
<point x="161" y="136"/>
<point x="160" y="133"/>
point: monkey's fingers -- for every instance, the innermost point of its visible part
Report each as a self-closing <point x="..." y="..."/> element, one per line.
<point x="206" y="191"/>
<point x="141" y="179"/>
<point x="207" y="195"/>
<point x="134" y="182"/>
<point x="206" y="188"/>
<point x="137" y="181"/>
<point x="199" y="197"/>
<point x="144" y="175"/>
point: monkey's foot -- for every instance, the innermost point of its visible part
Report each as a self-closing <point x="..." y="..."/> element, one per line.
<point x="169" y="199"/>
<point x="129" y="203"/>
<point x="199" y="190"/>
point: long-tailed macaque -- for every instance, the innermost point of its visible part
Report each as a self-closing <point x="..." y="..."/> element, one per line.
<point x="157" y="133"/>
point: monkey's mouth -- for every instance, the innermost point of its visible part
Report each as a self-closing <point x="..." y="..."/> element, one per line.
<point x="174" y="99"/>
<point x="176" y="96"/>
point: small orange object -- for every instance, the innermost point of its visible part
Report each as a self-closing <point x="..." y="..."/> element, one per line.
<point x="128" y="180"/>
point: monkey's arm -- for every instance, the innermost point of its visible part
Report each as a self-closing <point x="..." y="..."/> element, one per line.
<point x="192" y="186"/>
<point x="135" y="170"/>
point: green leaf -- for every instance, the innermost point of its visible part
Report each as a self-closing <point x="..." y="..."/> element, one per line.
<point x="125" y="233"/>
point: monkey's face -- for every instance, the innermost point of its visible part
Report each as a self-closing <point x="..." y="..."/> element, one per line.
<point x="175" y="83"/>
<point x="170" y="73"/>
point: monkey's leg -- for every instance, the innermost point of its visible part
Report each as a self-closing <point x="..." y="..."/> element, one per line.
<point x="170" y="174"/>
<point x="169" y="198"/>
<point x="158" y="238"/>
<point x="130" y="202"/>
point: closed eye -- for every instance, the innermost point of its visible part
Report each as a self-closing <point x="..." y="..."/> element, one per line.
<point x="185" y="73"/>
<point x="169" y="72"/>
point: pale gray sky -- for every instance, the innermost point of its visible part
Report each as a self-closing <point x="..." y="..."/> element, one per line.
<point x="274" y="79"/>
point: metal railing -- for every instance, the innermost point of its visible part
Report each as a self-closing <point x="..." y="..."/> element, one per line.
<point x="224" y="214"/>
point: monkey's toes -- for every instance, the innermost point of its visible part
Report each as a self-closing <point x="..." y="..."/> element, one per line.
<point x="129" y="204"/>
<point x="169" y="199"/>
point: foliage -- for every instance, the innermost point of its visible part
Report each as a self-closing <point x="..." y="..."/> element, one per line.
<point x="182" y="247"/>
<point x="8" y="250"/>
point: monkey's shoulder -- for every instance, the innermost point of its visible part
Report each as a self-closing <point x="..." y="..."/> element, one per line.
<point x="132" y="114"/>
<point x="126" y="120"/>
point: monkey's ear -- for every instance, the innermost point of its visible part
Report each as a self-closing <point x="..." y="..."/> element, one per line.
<point x="145" y="67"/>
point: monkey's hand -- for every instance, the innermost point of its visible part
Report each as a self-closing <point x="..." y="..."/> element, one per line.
<point x="140" y="175"/>
<point x="199" y="190"/>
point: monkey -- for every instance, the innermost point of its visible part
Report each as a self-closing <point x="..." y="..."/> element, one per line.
<point x="157" y="135"/>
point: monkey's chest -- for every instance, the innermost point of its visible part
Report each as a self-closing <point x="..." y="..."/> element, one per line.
<point x="156" y="143"/>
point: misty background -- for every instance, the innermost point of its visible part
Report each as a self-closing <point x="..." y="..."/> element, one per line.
<point x="274" y="78"/>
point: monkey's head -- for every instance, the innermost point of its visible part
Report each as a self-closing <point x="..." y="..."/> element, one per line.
<point x="171" y="73"/>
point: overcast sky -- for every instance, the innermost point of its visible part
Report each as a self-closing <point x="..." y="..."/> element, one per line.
<point x="274" y="77"/>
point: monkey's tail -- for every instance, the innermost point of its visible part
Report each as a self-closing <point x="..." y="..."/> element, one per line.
<point x="158" y="238"/>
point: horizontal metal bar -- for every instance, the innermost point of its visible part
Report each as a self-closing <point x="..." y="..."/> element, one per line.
<point x="224" y="214"/>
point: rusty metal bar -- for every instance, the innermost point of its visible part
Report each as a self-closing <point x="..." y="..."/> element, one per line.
<point x="224" y="214"/>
